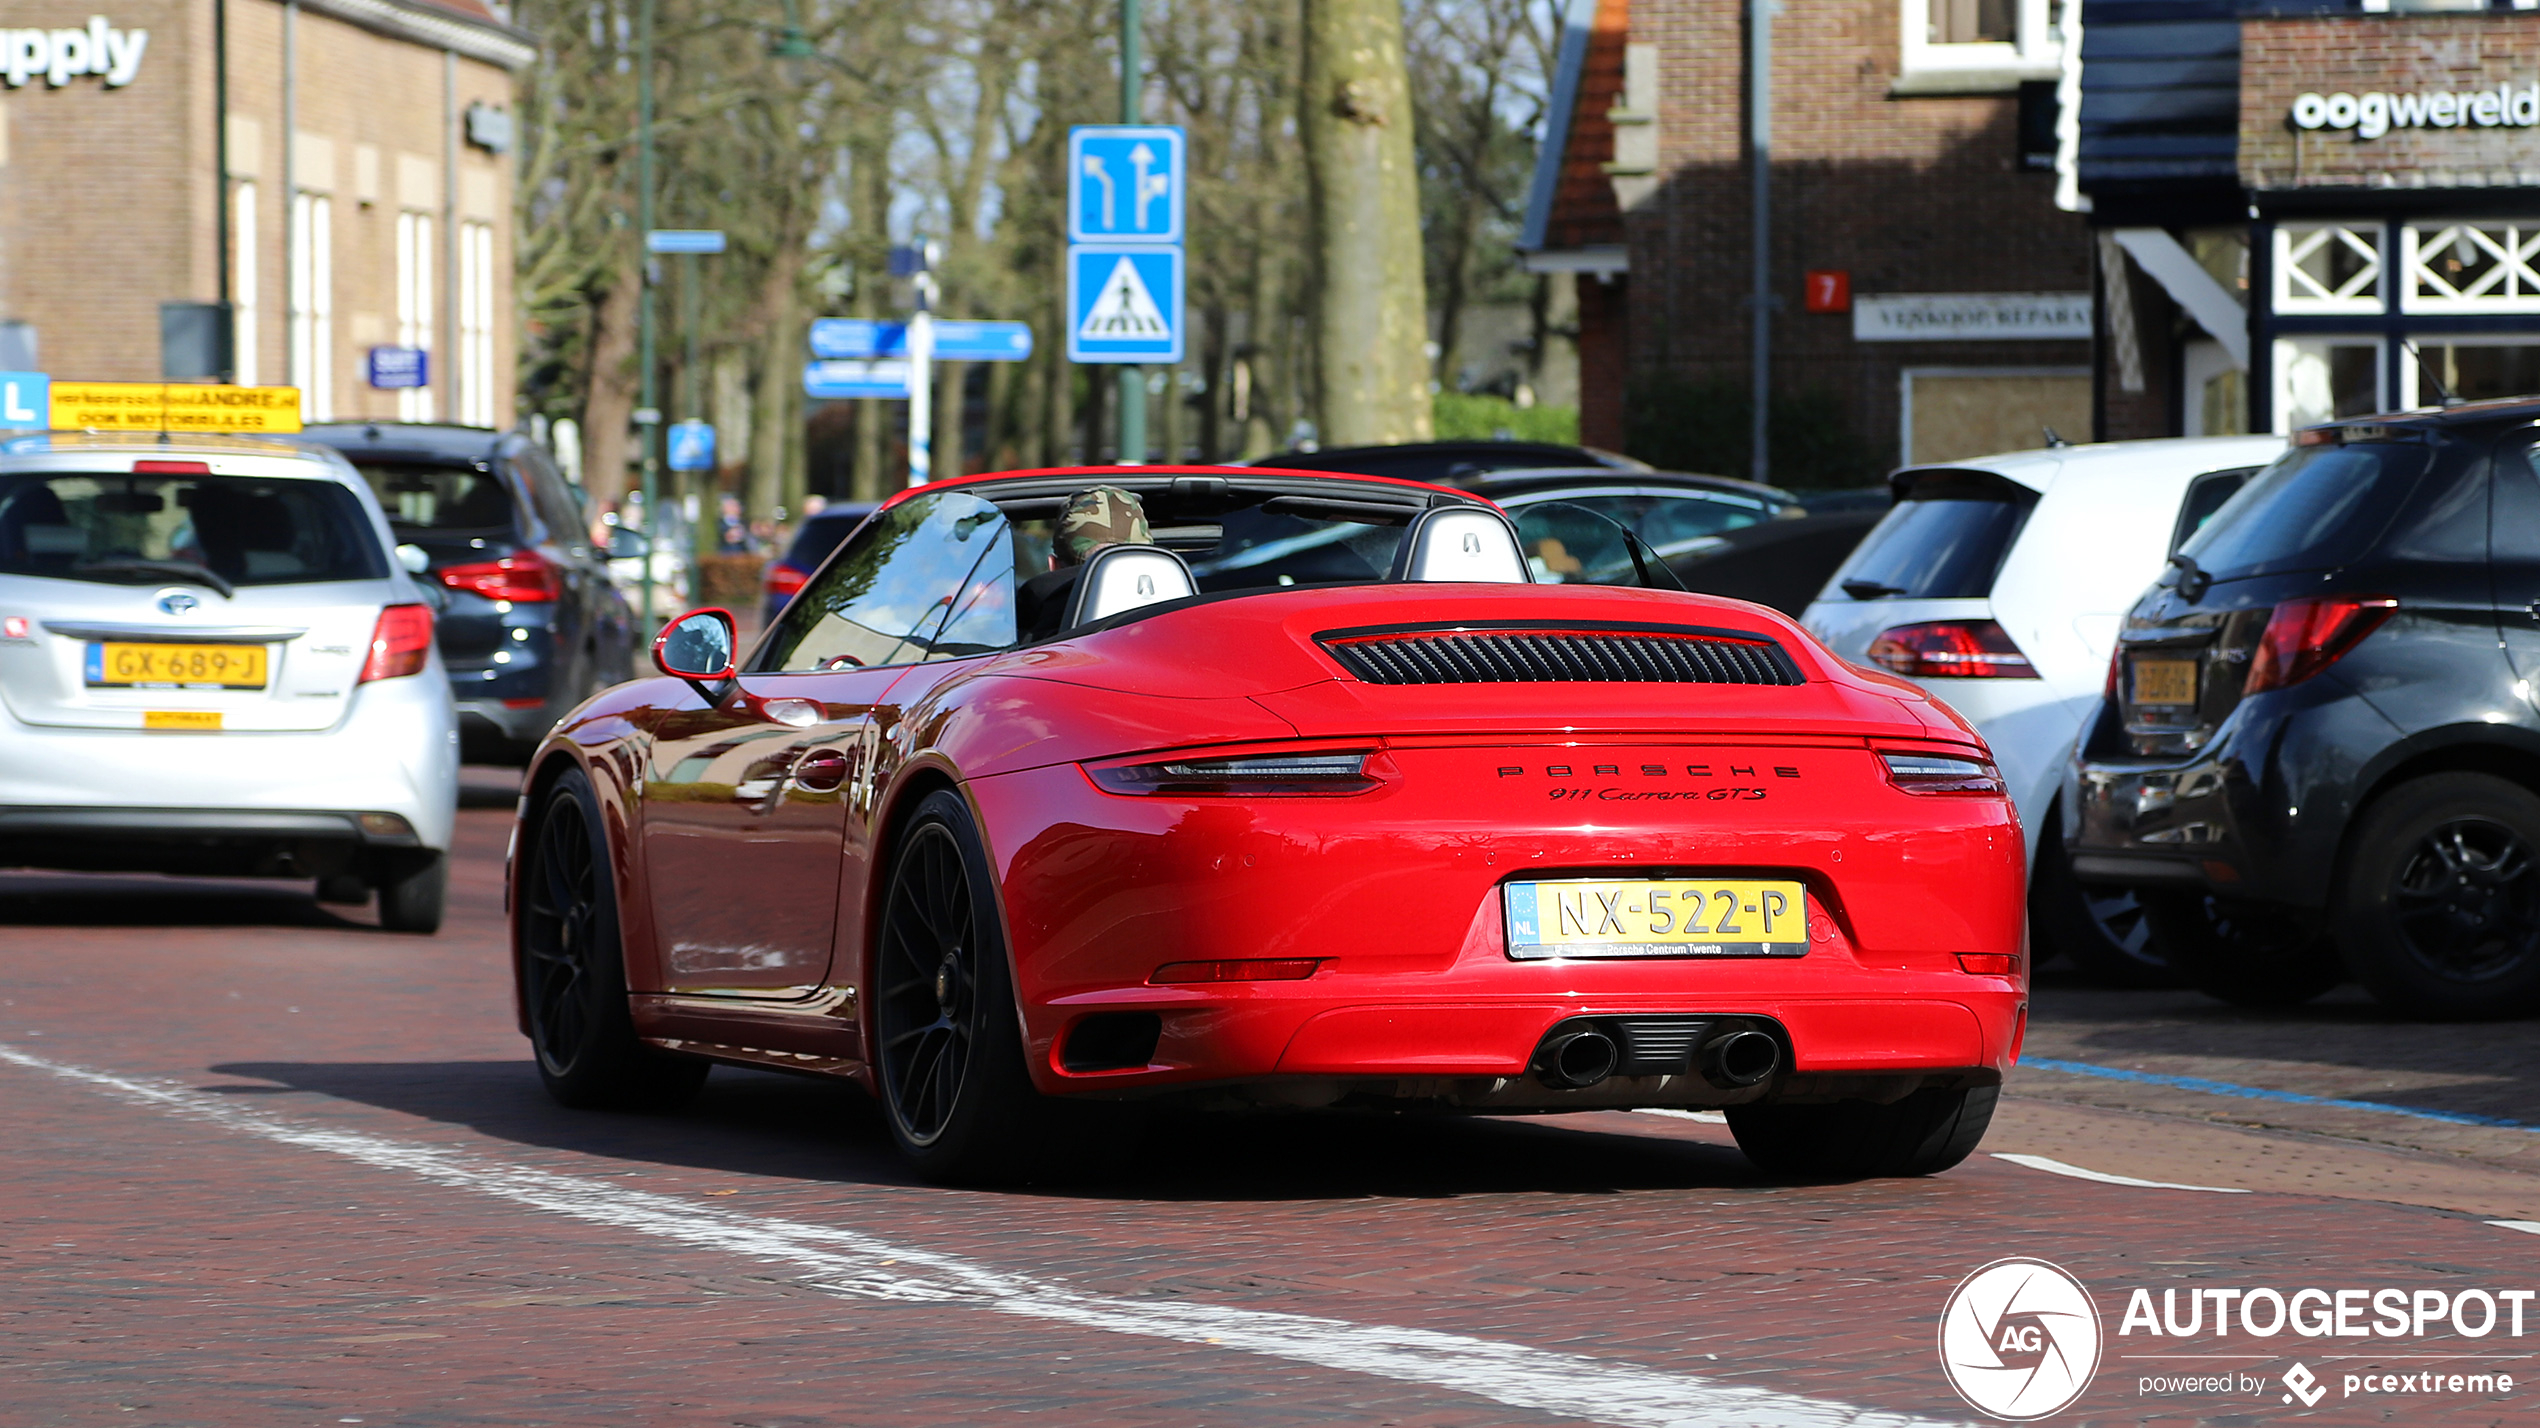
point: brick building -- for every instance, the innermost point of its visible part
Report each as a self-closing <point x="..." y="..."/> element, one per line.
<point x="1929" y="298"/>
<point x="368" y="202"/>
<point x="2309" y="208"/>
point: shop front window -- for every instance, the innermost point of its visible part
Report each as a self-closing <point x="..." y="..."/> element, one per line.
<point x="2328" y="267"/>
<point x="2471" y="267"/>
<point x="2474" y="369"/>
<point x="2325" y="379"/>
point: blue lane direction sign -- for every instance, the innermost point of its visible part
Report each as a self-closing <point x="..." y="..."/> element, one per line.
<point x="389" y="368"/>
<point x="857" y="337"/>
<point x="838" y="380"/>
<point x="1124" y="183"/>
<point x="26" y="401"/>
<point x="1124" y="303"/>
<point x="955" y="340"/>
<point x="684" y="240"/>
<point x="691" y="446"/>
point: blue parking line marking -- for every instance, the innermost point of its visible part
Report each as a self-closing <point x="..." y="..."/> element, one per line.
<point x="2256" y="1093"/>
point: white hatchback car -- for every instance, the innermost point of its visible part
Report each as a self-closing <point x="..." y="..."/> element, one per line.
<point x="213" y="662"/>
<point x="1998" y="585"/>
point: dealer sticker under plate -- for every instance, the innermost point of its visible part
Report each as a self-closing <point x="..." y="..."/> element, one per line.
<point x="1658" y="917"/>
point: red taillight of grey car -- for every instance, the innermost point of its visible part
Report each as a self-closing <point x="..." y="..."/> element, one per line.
<point x="2308" y="635"/>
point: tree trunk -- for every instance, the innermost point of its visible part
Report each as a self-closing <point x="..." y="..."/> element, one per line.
<point x="775" y="447"/>
<point x="609" y="409"/>
<point x="1369" y="318"/>
<point x="1004" y="419"/>
<point x="1214" y="366"/>
<point x="869" y="421"/>
<point x="951" y="380"/>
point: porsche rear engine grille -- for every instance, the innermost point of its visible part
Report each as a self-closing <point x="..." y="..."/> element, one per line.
<point x="1623" y="654"/>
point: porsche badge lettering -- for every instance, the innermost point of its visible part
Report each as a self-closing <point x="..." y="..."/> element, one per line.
<point x="1610" y="793"/>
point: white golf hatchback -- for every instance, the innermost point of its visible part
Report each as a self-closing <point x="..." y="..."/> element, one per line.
<point x="1998" y="584"/>
<point x="213" y="662"/>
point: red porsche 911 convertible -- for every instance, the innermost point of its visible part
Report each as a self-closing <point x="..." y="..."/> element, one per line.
<point x="1299" y="790"/>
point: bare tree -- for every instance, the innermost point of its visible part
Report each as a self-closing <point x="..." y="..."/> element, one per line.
<point x="1371" y="326"/>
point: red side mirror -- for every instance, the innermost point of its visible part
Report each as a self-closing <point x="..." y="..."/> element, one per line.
<point x="697" y="646"/>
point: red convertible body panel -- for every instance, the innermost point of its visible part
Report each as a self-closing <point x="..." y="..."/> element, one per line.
<point x="750" y="854"/>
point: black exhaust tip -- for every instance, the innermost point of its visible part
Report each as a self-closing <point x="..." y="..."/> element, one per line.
<point x="1578" y="1059"/>
<point x="1741" y="1058"/>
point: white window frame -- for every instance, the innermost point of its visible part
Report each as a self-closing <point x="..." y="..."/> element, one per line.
<point x="476" y="399"/>
<point x="2511" y="285"/>
<point x="242" y="283"/>
<point x="1928" y="68"/>
<point x="2298" y="293"/>
<point x="415" y="315"/>
<point x="312" y="316"/>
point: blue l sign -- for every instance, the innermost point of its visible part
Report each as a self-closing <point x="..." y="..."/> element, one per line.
<point x="1124" y="183"/>
<point x="26" y="401"/>
<point x="691" y="446"/>
<point x="1124" y="303"/>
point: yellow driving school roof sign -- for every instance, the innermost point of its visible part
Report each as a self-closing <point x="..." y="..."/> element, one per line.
<point x="174" y="406"/>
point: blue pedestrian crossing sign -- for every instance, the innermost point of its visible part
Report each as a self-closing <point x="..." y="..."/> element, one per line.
<point x="1124" y="303"/>
<point x="691" y="446"/>
<point x="1124" y="183"/>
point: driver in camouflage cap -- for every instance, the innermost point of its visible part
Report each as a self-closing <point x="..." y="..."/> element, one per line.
<point x="1097" y="517"/>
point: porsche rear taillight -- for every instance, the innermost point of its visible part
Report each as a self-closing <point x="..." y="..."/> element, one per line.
<point x="399" y="643"/>
<point x="1951" y="649"/>
<point x="784" y="580"/>
<point x="1918" y="772"/>
<point x="2308" y="635"/>
<point x="1327" y="771"/>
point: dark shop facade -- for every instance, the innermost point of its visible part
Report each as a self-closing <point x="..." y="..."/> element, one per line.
<point x="2305" y="211"/>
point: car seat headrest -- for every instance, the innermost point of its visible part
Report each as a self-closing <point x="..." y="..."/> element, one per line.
<point x="1120" y="578"/>
<point x="1473" y="543"/>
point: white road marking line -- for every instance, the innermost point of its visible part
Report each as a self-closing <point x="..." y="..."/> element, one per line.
<point x="1708" y="1118"/>
<point x="2528" y="1227"/>
<point x="848" y="1264"/>
<point x="2057" y="1167"/>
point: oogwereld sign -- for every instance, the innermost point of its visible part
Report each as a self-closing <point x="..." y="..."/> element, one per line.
<point x="59" y="56"/>
<point x="2507" y="106"/>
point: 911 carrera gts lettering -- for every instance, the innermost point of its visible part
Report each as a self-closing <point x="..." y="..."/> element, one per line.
<point x="1725" y="794"/>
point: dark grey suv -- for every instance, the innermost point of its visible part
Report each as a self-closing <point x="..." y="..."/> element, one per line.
<point x="2320" y="752"/>
<point x="531" y="624"/>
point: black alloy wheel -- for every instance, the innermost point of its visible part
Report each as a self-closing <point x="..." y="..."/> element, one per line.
<point x="573" y="969"/>
<point x="2243" y="953"/>
<point x="2442" y="898"/>
<point x="2104" y="931"/>
<point x="950" y="1048"/>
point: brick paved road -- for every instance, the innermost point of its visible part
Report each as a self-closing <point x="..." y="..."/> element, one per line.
<point x="261" y="1164"/>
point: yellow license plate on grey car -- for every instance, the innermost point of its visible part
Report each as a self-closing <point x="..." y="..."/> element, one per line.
<point x="113" y="663"/>
<point x="1657" y="917"/>
<point x="2165" y="681"/>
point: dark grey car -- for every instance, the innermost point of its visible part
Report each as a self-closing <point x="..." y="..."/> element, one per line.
<point x="532" y="624"/>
